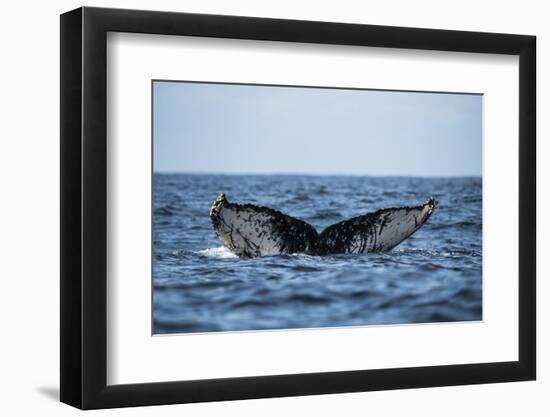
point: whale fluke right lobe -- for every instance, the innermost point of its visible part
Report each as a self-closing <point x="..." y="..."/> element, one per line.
<point x="374" y="232"/>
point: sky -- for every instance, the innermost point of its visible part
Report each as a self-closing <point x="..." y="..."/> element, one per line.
<point x="240" y="129"/>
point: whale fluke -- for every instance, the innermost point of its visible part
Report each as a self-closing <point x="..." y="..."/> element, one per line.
<point x="250" y="231"/>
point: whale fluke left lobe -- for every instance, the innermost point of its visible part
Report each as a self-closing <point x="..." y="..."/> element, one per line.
<point x="250" y="231"/>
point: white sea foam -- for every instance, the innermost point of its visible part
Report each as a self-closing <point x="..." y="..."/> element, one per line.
<point x="219" y="252"/>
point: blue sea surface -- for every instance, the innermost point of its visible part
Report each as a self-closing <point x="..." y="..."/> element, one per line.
<point x="199" y="286"/>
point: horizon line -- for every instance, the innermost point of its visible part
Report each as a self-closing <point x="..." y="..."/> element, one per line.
<point x="290" y="174"/>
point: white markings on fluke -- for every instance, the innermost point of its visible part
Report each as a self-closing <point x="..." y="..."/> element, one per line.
<point x="250" y="231"/>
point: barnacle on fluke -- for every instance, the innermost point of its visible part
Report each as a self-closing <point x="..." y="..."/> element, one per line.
<point x="250" y="231"/>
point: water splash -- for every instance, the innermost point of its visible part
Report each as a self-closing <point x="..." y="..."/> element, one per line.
<point x="219" y="252"/>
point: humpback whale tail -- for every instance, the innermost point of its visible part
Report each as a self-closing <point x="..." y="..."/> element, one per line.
<point x="250" y="231"/>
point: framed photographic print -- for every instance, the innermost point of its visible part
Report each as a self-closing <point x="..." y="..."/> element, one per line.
<point x="259" y="207"/>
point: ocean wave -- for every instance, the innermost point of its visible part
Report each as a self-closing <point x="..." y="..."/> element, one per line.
<point x="326" y="215"/>
<point x="455" y="252"/>
<point x="461" y="225"/>
<point x="301" y="197"/>
<point x="164" y="211"/>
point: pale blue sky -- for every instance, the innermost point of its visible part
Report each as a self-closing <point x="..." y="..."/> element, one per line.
<point x="224" y="128"/>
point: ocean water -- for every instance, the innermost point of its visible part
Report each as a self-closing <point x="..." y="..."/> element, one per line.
<point x="199" y="286"/>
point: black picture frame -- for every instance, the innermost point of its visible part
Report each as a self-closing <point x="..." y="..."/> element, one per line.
<point x="84" y="207"/>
